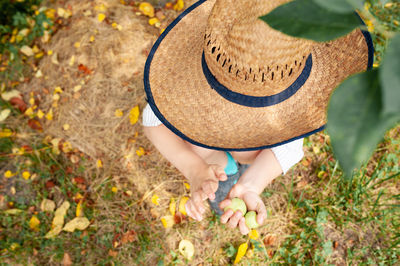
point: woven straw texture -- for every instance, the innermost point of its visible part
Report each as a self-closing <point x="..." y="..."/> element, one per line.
<point x="246" y="56"/>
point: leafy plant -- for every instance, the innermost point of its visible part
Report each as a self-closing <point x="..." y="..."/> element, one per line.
<point x="364" y="106"/>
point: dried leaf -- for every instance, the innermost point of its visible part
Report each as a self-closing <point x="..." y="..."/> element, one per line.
<point x="47" y="205"/>
<point x="34" y="223"/>
<point x="79" y="209"/>
<point x="18" y="103"/>
<point x="35" y="124"/>
<point x="54" y="59"/>
<point x="55" y="142"/>
<point x="8" y="95"/>
<point x="4" y="114"/>
<point x="134" y="115"/>
<point x="40" y="114"/>
<point x="67" y="260"/>
<point x="241" y="252"/>
<point x="119" y="113"/>
<point x="5" y="133"/>
<point x="140" y="152"/>
<point x="49" y="115"/>
<point x="179" y="5"/>
<point x="147" y="9"/>
<point x="26" y="50"/>
<point x="269" y="240"/>
<point x="186" y="248"/>
<point x="26" y="175"/>
<point x="253" y="234"/>
<point x="101" y="17"/>
<point x="128" y="237"/>
<point x="181" y="207"/>
<point x="13" y="211"/>
<point x="79" y="223"/>
<point x="99" y="164"/>
<point x="84" y="69"/>
<point x="114" y="189"/>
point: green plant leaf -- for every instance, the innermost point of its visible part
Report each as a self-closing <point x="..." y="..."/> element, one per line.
<point x="355" y="120"/>
<point x="337" y="6"/>
<point x="390" y="77"/>
<point x="305" y="19"/>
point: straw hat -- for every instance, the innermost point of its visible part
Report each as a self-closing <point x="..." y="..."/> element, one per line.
<point x="221" y="78"/>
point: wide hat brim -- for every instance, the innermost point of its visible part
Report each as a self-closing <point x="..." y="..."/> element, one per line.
<point x="181" y="97"/>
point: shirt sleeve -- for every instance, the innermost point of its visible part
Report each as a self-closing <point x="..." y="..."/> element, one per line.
<point x="289" y="154"/>
<point x="149" y="119"/>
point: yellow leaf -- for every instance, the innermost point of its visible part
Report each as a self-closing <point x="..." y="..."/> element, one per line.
<point x="147" y="9"/>
<point x="34" y="223"/>
<point x="47" y="205"/>
<point x="50" y="13"/>
<point x="77" y="44"/>
<point x="49" y="52"/>
<point x="182" y="203"/>
<point x="79" y="209"/>
<point x="172" y="206"/>
<point x="56" y="97"/>
<point x="79" y="223"/>
<point x="186" y="248"/>
<point x="155" y="199"/>
<point x="26" y="175"/>
<point x="31" y="101"/>
<point x="119" y="113"/>
<point x="40" y="114"/>
<point x="54" y="232"/>
<point x="8" y="174"/>
<point x="54" y="59"/>
<point x="167" y="221"/>
<point x="187" y="186"/>
<point x="101" y="8"/>
<point x="101" y="17"/>
<point x="99" y="164"/>
<point x="49" y="115"/>
<point x="140" y="152"/>
<point x="153" y="21"/>
<point x="14" y="246"/>
<point x="10" y="94"/>
<point x="5" y="133"/>
<point x="71" y="60"/>
<point x="39" y="55"/>
<point x="13" y="211"/>
<point x="241" y="252"/>
<point x="29" y="111"/>
<point x="66" y="147"/>
<point x="179" y="5"/>
<point x="134" y="115"/>
<point x="114" y="189"/>
<point x="77" y="88"/>
<point x="58" y="220"/>
<point x="253" y="234"/>
<point x="66" y="127"/>
<point x="375" y="65"/>
<point x="91" y="38"/>
<point x="55" y="143"/>
<point x="57" y="90"/>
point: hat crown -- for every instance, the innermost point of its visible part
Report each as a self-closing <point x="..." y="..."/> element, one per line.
<point x="245" y="54"/>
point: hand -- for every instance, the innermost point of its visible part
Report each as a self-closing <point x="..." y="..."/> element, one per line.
<point x="203" y="185"/>
<point x="253" y="203"/>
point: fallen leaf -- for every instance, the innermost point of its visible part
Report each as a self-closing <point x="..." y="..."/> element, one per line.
<point x="253" y="234"/>
<point x="186" y="248"/>
<point x="128" y="237"/>
<point x="66" y="127"/>
<point x="114" y="189"/>
<point x="18" y="103"/>
<point x="4" y="114"/>
<point x="79" y="223"/>
<point x="54" y="59"/>
<point x="8" y="95"/>
<point x="241" y="252"/>
<point x="172" y="206"/>
<point x="146" y="9"/>
<point x="55" y="142"/>
<point x="99" y="164"/>
<point x="153" y="21"/>
<point x="71" y="61"/>
<point x="67" y="260"/>
<point x="167" y="221"/>
<point x="49" y="184"/>
<point x="155" y="199"/>
<point x="79" y="209"/>
<point x="182" y="203"/>
<point x="179" y="5"/>
<point x="78" y="180"/>
<point x="5" y="133"/>
<point x="26" y="50"/>
<point x="119" y="113"/>
<point x="49" y="115"/>
<point x="84" y="69"/>
<point x="13" y="211"/>
<point x="29" y="111"/>
<point x="26" y="175"/>
<point x="134" y="115"/>
<point x="140" y="152"/>
<point x="101" y="17"/>
<point x="34" y="223"/>
<point x="40" y="114"/>
<point x="58" y="220"/>
<point x="47" y="205"/>
<point x="269" y="240"/>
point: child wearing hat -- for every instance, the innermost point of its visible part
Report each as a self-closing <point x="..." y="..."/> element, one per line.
<point x="230" y="99"/>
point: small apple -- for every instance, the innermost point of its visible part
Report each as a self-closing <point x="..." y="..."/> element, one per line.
<point x="250" y="219"/>
<point x="237" y="205"/>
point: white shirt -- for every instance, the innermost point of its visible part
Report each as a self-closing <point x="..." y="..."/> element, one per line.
<point x="287" y="154"/>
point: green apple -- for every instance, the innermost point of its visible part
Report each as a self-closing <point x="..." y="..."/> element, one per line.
<point x="251" y="220"/>
<point x="237" y="205"/>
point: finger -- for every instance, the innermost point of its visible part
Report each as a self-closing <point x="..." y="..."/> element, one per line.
<point x="234" y="220"/>
<point x="189" y="210"/>
<point x="225" y="217"/>
<point x="198" y="203"/>
<point x="219" y="172"/>
<point x="225" y="203"/>
<point x="209" y="188"/>
<point x="243" y="227"/>
<point x="261" y="212"/>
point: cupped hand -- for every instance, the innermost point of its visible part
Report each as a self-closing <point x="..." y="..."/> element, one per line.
<point x="253" y="202"/>
<point x="203" y="186"/>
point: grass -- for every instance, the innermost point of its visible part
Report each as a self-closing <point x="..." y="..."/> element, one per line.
<point x="314" y="215"/>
